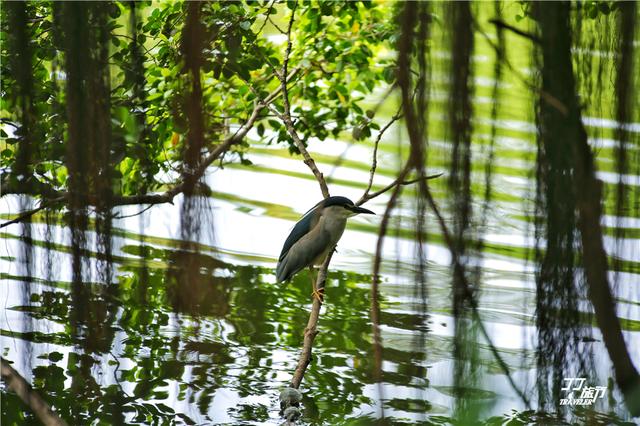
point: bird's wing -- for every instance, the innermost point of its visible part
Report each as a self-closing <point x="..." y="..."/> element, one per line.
<point x="302" y="228"/>
<point x="307" y="249"/>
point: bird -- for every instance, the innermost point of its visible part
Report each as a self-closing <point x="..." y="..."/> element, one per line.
<point x="315" y="235"/>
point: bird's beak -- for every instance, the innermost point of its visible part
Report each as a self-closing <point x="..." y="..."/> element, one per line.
<point x="358" y="210"/>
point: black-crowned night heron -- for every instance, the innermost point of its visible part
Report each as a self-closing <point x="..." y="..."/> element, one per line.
<point x="315" y="235"/>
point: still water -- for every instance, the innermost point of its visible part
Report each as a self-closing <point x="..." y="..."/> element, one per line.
<point x="200" y="332"/>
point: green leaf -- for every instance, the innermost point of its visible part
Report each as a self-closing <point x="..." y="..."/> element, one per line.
<point x="275" y="124"/>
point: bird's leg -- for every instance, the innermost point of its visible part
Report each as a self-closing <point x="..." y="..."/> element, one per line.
<point x="316" y="293"/>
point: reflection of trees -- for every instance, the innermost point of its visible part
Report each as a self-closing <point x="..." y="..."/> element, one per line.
<point x="192" y="287"/>
<point x="572" y="200"/>
<point x="568" y="203"/>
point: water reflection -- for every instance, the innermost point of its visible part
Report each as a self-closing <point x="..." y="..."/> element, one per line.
<point x="215" y="340"/>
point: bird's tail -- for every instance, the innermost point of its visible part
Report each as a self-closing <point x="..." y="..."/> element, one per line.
<point x="281" y="271"/>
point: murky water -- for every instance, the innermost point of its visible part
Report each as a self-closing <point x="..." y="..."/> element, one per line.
<point x="207" y="333"/>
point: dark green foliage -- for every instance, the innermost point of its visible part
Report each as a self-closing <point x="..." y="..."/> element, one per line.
<point x="149" y="121"/>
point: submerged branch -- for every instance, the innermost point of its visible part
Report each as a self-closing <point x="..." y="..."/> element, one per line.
<point x="15" y="382"/>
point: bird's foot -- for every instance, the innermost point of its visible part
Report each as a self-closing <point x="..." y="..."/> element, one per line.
<point x="318" y="294"/>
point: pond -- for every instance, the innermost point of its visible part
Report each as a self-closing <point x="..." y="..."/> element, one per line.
<point x="199" y="332"/>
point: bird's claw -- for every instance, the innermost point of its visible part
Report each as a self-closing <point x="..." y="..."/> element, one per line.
<point x="318" y="294"/>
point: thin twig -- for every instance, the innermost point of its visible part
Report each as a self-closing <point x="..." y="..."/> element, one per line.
<point x="266" y="19"/>
<point x="374" y="160"/>
<point x="149" y="53"/>
<point x="378" y="138"/>
<point x="134" y="214"/>
<point x="393" y="184"/>
<point x="276" y="25"/>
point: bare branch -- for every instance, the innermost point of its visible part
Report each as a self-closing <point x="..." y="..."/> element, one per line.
<point x="134" y="214"/>
<point x="311" y="330"/>
<point x="267" y="18"/>
<point x="396" y="182"/>
<point x="276" y="26"/>
<point x="32" y="399"/>
<point x="374" y="160"/>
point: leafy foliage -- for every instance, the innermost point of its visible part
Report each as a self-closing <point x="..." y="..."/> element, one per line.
<point x="341" y="52"/>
